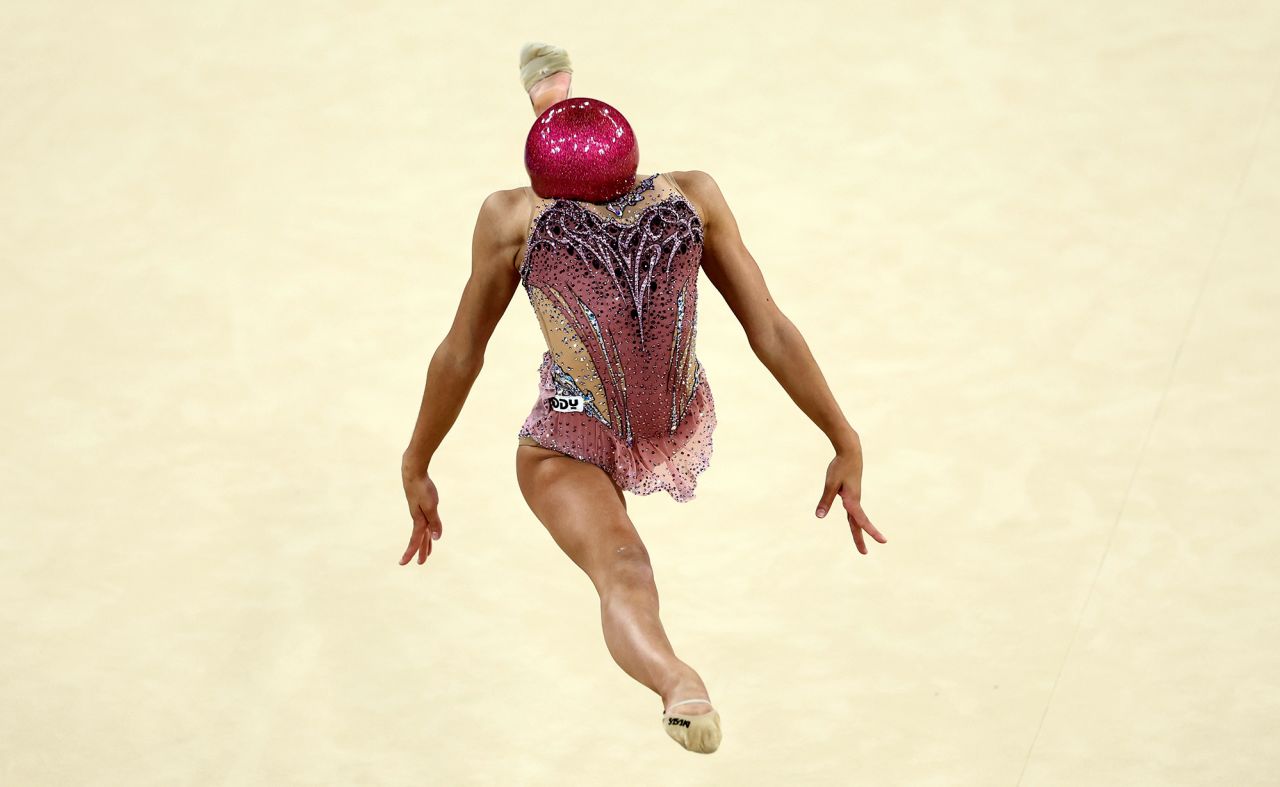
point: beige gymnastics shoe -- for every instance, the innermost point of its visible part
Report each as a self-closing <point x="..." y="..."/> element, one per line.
<point x="700" y="733"/>
<point x="539" y="61"/>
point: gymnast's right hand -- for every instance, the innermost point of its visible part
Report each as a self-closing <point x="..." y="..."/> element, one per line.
<point x="424" y="502"/>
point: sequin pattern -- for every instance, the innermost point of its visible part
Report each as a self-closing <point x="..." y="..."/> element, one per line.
<point x="615" y="294"/>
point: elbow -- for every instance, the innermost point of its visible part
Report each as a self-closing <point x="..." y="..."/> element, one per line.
<point x="464" y="358"/>
<point x="766" y="338"/>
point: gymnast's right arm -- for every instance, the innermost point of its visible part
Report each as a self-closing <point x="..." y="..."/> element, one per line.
<point x="497" y="239"/>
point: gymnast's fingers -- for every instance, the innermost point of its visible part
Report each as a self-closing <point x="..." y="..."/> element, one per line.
<point x="857" y="535"/>
<point x="860" y="518"/>
<point x="413" y="547"/>
<point x="419" y="527"/>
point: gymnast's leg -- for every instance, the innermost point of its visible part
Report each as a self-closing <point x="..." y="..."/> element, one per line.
<point x="586" y="514"/>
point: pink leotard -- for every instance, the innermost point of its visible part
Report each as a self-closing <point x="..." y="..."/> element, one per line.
<point x="614" y="288"/>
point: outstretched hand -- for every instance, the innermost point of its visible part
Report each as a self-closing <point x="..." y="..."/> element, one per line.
<point x="844" y="477"/>
<point x="424" y="502"/>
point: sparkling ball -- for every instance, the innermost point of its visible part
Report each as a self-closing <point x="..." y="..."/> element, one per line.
<point x="581" y="148"/>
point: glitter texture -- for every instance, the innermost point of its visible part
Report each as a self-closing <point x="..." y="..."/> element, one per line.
<point x="614" y="288"/>
<point x="582" y="149"/>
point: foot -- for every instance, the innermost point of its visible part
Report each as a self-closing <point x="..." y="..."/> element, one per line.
<point x="689" y="707"/>
<point x="697" y="729"/>
<point x="549" y="90"/>
<point x="687" y="688"/>
<point x="546" y="73"/>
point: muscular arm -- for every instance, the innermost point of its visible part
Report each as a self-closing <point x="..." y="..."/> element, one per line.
<point x="772" y="336"/>
<point x="496" y="241"/>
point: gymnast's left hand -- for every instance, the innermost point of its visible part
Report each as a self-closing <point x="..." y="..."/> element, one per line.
<point x="844" y="477"/>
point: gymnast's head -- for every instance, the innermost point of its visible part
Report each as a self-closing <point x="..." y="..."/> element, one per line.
<point x="581" y="148"/>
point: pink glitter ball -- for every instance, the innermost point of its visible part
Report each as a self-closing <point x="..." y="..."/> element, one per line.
<point x="581" y="148"/>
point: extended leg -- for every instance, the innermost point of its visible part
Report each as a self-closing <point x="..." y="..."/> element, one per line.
<point x="586" y="514"/>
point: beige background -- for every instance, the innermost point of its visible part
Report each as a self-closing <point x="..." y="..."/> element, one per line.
<point x="1033" y="246"/>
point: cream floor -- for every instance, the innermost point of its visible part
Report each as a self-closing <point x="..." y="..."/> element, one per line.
<point x="1033" y="247"/>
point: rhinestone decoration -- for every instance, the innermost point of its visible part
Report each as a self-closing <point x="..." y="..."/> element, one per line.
<point x="614" y="288"/>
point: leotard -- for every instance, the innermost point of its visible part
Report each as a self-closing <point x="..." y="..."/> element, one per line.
<point x="614" y="289"/>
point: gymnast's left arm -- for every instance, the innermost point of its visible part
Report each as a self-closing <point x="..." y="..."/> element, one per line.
<point x="781" y="348"/>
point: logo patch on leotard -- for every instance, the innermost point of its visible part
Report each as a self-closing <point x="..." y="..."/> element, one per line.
<point x="567" y="404"/>
<point x="678" y="722"/>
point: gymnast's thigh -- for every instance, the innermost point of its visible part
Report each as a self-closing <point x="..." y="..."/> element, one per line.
<point x="580" y="505"/>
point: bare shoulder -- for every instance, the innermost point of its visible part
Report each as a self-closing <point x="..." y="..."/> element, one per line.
<point x="505" y="208"/>
<point x="702" y="190"/>
<point x="502" y="223"/>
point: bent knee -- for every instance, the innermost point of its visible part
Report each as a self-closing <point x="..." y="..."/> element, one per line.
<point x="626" y="562"/>
<point x="630" y="554"/>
